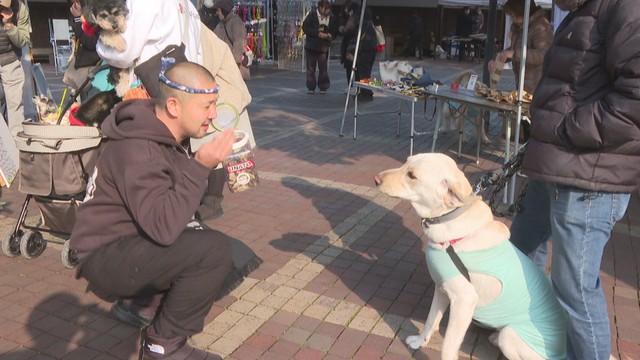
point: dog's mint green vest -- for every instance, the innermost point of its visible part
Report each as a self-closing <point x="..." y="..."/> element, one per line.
<point x="527" y="303"/>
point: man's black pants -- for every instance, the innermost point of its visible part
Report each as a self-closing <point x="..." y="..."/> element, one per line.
<point x="191" y="272"/>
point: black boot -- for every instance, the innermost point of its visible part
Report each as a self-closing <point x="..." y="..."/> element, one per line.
<point x="210" y="208"/>
<point x="155" y="347"/>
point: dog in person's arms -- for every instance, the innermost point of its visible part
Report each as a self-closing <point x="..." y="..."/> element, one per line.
<point x="111" y="17"/>
<point x="504" y="290"/>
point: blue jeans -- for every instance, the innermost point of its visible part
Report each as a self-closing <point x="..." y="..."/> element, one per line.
<point x="579" y="223"/>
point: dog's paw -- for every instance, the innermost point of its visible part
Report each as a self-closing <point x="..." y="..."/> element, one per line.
<point x="113" y="40"/>
<point x="415" y="341"/>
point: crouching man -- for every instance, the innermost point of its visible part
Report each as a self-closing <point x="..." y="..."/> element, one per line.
<point x="130" y="233"/>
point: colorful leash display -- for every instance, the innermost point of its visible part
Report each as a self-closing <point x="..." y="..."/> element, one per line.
<point x="252" y="14"/>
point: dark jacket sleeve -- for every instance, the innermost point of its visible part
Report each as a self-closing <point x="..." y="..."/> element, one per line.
<point x="88" y="42"/>
<point x="311" y="28"/>
<point x="351" y="26"/>
<point x="160" y="200"/>
<point x="311" y="25"/>
<point x="612" y="120"/>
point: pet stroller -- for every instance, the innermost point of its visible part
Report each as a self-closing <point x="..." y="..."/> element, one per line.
<point x="55" y="165"/>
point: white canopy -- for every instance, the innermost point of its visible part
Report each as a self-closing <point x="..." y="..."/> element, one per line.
<point x="485" y="3"/>
<point x="452" y="3"/>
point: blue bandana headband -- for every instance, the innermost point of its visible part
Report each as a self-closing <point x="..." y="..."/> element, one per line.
<point x="167" y="62"/>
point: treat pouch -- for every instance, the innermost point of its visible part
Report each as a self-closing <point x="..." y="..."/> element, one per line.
<point x="240" y="165"/>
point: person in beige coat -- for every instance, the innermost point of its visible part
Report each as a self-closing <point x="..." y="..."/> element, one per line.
<point x="231" y="30"/>
<point x="219" y="60"/>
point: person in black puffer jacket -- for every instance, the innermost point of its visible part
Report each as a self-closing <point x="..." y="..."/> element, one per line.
<point x="583" y="158"/>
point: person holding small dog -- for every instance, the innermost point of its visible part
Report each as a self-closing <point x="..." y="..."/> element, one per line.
<point x="85" y="57"/>
<point x="319" y="27"/>
<point x="14" y="35"/>
<point x="583" y="158"/>
<point x="131" y="232"/>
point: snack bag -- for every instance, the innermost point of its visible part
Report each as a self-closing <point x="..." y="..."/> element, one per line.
<point x="240" y="165"/>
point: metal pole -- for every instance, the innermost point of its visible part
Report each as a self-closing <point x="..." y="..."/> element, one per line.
<point x="354" y="68"/>
<point x="523" y="62"/>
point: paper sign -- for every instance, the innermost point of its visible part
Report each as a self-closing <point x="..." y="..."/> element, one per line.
<point x="9" y="155"/>
<point x="471" y="85"/>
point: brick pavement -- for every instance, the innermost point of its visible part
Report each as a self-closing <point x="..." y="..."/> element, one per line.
<point x="343" y="274"/>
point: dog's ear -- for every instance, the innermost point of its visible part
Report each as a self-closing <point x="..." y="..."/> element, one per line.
<point x="459" y="191"/>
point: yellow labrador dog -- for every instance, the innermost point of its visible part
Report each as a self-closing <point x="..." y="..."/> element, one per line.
<point x="454" y="114"/>
<point x="504" y="290"/>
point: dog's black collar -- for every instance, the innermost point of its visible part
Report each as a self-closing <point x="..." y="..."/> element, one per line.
<point x="426" y="222"/>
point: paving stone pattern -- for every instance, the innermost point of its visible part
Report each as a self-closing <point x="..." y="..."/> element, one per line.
<point x="344" y="275"/>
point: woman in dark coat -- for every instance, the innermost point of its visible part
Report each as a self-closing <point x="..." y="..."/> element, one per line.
<point x="367" y="50"/>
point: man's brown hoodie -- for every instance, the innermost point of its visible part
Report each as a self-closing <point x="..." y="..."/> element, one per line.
<point x="144" y="183"/>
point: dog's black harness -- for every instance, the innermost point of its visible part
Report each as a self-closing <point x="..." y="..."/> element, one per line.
<point x="450" y="251"/>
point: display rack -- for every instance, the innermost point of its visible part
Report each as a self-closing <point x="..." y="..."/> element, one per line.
<point x="258" y="19"/>
<point x="291" y="14"/>
<point x="60" y="38"/>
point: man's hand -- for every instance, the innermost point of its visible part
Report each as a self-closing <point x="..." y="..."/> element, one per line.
<point x="214" y="152"/>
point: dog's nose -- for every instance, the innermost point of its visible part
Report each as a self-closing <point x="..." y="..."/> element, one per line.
<point x="378" y="180"/>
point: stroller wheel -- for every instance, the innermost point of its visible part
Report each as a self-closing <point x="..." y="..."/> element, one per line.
<point x="69" y="258"/>
<point x="32" y="244"/>
<point x="11" y="243"/>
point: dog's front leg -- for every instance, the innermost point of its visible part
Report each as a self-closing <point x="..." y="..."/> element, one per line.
<point x="463" y="299"/>
<point x="438" y="306"/>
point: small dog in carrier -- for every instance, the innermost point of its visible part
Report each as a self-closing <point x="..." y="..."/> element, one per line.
<point x="48" y="110"/>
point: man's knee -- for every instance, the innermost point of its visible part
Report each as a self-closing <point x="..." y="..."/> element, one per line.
<point x="213" y="247"/>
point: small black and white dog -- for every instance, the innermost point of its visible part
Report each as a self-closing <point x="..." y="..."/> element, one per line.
<point x="94" y="110"/>
<point x="111" y="17"/>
